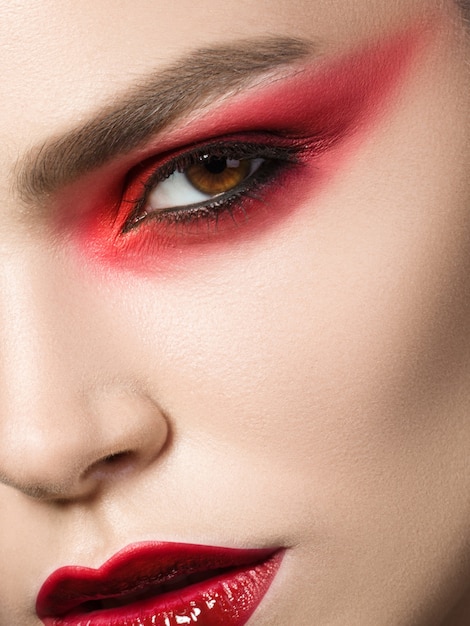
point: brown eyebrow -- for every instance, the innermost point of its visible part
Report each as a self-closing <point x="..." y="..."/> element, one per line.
<point x="148" y="107"/>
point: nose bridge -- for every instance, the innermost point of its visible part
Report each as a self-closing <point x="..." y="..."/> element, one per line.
<point x="37" y="352"/>
<point x="34" y="316"/>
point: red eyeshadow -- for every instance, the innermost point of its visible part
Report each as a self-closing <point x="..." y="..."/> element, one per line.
<point x="321" y="105"/>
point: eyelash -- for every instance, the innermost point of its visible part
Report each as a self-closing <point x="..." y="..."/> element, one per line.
<point x="279" y="156"/>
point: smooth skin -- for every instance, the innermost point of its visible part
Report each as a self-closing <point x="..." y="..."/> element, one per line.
<point x="307" y="388"/>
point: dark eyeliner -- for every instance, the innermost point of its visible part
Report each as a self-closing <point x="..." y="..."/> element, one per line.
<point x="276" y="158"/>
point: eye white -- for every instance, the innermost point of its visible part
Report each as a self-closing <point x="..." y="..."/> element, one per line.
<point x="177" y="190"/>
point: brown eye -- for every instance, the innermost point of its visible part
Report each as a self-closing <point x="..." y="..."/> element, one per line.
<point x="213" y="175"/>
<point x="207" y="177"/>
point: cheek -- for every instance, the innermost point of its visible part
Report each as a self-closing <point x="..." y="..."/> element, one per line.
<point x="315" y="349"/>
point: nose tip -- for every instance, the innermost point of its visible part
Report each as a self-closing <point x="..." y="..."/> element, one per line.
<point x="120" y="435"/>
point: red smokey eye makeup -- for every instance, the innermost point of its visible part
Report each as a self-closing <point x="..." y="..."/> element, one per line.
<point x="245" y="164"/>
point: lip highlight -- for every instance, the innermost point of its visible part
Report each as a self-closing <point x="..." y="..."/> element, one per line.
<point x="161" y="584"/>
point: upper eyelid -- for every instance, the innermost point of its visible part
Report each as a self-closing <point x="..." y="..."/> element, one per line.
<point x="169" y="166"/>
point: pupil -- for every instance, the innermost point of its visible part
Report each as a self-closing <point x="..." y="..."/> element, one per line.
<point x="215" y="165"/>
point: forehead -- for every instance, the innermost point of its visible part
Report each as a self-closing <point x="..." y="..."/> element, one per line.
<point x="61" y="57"/>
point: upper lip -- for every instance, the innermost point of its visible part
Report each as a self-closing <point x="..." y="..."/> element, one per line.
<point x="136" y="571"/>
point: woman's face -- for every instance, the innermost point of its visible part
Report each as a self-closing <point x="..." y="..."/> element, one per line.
<point x="235" y="297"/>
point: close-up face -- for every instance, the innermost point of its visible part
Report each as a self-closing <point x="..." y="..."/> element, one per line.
<point x="235" y="313"/>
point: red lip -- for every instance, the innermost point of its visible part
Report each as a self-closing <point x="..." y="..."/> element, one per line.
<point x="161" y="584"/>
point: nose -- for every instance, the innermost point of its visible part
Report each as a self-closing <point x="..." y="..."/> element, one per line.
<point x="73" y="416"/>
<point x="55" y="453"/>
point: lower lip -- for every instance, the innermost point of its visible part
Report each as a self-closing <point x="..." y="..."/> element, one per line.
<point x="228" y="599"/>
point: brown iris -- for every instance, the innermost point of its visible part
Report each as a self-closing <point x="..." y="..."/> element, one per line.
<point x="213" y="175"/>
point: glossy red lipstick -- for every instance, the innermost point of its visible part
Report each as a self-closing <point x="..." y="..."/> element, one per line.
<point x="161" y="584"/>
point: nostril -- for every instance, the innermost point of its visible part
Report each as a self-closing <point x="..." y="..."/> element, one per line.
<point x="117" y="458"/>
<point x="111" y="465"/>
